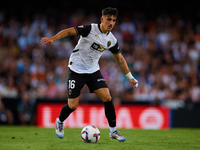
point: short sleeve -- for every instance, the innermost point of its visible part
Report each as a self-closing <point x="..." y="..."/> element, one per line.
<point x="83" y="30"/>
<point x="115" y="49"/>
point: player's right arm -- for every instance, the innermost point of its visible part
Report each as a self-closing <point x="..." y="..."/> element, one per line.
<point x="63" y="33"/>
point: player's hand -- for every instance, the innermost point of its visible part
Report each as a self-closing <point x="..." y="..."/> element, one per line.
<point x="46" y="41"/>
<point x="134" y="82"/>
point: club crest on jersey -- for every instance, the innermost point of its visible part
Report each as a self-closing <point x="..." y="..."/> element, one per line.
<point x="109" y="43"/>
<point x="70" y="91"/>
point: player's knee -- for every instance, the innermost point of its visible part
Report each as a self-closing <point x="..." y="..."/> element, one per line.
<point x="73" y="103"/>
<point x="107" y="98"/>
<point x="73" y="107"/>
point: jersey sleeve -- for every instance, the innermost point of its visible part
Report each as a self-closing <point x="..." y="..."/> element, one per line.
<point x="115" y="49"/>
<point x="83" y="30"/>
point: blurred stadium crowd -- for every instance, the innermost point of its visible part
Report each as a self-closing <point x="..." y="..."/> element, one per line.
<point x="163" y="54"/>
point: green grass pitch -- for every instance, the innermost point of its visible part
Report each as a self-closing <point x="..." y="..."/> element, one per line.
<point x="33" y="138"/>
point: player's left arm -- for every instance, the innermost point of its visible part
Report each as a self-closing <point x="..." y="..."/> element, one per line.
<point x="124" y="67"/>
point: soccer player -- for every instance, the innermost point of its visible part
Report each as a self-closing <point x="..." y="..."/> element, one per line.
<point x="83" y="67"/>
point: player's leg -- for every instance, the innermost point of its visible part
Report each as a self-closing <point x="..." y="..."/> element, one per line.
<point x="64" y="113"/>
<point x="75" y="84"/>
<point x="104" y="94"/>
<point x="98" y="86"/>
<point x="69" y="108"/>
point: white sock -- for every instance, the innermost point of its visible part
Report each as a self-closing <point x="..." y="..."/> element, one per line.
<point x="112" y="129"/>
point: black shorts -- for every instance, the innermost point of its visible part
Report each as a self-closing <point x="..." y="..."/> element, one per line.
<point x="76" y="82"/>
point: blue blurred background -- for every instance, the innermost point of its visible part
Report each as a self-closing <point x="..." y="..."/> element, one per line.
<point x="160" y="41"/>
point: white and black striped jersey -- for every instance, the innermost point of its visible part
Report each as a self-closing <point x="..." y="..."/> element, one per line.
<point x="91" y="45"/>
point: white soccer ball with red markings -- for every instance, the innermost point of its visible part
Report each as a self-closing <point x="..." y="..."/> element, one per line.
<point x="90" y="134"/>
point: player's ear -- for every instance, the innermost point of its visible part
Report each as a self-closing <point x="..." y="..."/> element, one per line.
<point x="101" y="19"/>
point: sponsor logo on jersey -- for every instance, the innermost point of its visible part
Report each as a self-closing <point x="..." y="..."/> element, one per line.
<point x="98" y="47"/>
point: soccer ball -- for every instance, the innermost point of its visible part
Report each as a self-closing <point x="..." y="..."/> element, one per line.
<point x="90" y="134"/>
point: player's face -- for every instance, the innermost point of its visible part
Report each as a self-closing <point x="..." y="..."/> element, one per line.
<point x="108" y="22"/>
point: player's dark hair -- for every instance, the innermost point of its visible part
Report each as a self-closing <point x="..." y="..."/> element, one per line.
<point x="110" y="11"/>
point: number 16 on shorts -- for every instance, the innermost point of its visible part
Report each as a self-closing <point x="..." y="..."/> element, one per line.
<point x="71" y="84"/>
